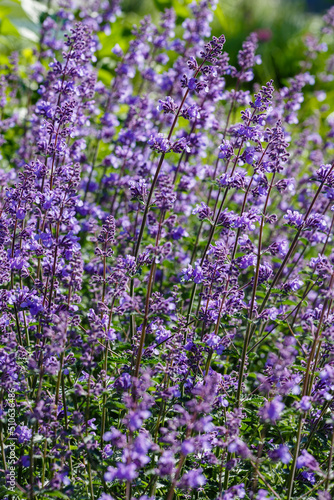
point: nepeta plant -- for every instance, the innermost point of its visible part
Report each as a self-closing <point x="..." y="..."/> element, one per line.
<point x="166" y="268"/>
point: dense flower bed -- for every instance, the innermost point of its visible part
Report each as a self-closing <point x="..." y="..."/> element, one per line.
<point x="166" y="265"/>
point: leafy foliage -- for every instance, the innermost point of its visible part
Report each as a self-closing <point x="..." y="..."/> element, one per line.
<point x="166" y="264"/>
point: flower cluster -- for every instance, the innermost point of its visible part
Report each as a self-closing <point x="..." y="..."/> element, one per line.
<point x="166" y="264"/>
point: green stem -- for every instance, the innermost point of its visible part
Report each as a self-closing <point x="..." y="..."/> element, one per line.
<point x="104" y="402"/>
<point x="176" y="477"/>
<point x="208" y="362"/>
<point x="91" y="489"/>
<point x="227" y="472"/>
<point x="256" y="279"/>
<point x="44" y="461"/>
<point x="59" y="378"/>
<point x="2" y="448"/>
<point x="315" y="426"/>
<point x="294" y="460"/>
<point x="31" y="467"/>
<point x="330" y="459"/>
<point x="145" y="322"/>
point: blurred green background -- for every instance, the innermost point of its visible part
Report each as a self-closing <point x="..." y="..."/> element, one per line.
<point x="280" y="24"/>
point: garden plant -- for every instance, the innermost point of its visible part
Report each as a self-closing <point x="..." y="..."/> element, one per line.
<point x="166" y="263"/>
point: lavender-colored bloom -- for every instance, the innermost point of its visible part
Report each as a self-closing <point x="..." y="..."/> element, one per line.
<point x="235" y="492"/>
<point x="246" y="261"/>
<point x="141" y="446"/>
<point x="249" y="155"/>
<point x="294" y="218"/>
<point x="116" y="300"/>
<point x="192" y="83"/>
<point x="195" y="274"/>
<point x="187" y="447"/>
<point x="305" y="403"/>
<point x="123" y="472"/>
<point x="20" y="214"/>
<point x="117" y="50"/>
<point x="324" y="495"/>
<point x="264" y="495"/>
<point x="159" y="143"/>
<point x="292" y="285"/>
<point x="308" y="477"/>
<point x="25" y="460"/>
<point x="280" y="454"/>
<point x="123" y="382"/>
<point x="181" y="145"/>
<point x="167" y="106"/>
<point x="136" y="418"/>
<point x="191" y="113"/>
<point x="239" y="447"/>
<point x="215" y="343"/>
<point x="23" y="434"/>
<point x="107" y="450"/>
<point x="307" y="460"/>
<point x="225" y="150"/>
<point x="203" y="211"/>
<point x="192" y="479"/>
<point x="316" y="221"/>
<point x="116" y="437"/>
<point x="327" y="373"/>
<point x="166" y="463"/>
<point x="272" y="410"/>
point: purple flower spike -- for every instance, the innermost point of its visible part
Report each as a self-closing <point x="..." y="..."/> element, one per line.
<point x="272" y="410"/>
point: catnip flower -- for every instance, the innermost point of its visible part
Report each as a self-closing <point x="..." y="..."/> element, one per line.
<point x="166" y="262"/>
<point x="272" y="410"/>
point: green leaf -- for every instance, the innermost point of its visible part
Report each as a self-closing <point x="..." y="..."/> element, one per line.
<point x="57" y="494"/>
